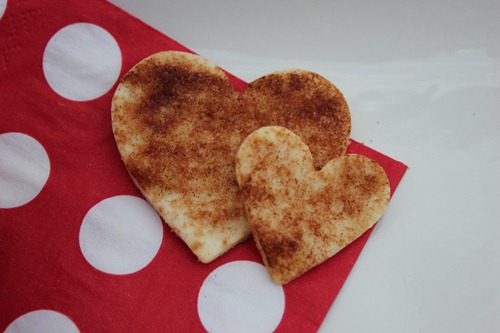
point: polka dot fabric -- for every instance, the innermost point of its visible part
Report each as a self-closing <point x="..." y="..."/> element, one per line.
<point x="80" y="249"/>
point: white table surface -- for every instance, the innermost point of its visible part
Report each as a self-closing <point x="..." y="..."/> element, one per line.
<point x="422" y="79"/>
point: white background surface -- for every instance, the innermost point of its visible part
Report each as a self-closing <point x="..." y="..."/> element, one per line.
<point x="422" y="79"/>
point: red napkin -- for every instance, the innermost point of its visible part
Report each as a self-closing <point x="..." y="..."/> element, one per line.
<point x="62" y="183"/>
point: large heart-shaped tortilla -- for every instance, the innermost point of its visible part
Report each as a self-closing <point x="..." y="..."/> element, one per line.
<point x="178" y="123"/>
<point x="299" y="216"/>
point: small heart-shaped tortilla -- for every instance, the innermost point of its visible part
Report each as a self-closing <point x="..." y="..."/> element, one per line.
<point x="299" y="216"/>
<point x="178" y="123"/>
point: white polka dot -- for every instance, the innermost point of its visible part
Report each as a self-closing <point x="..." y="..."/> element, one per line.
<point x="82" y="61"/>
<point x="42" y="321"/>
<point x="24" y="169"/>
<point x="3" y="5"/>
<point x="121" y="235"/>
<point x="240" y="297"/>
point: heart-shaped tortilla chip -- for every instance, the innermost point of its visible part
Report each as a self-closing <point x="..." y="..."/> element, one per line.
<point x="299" y="216"/>
<point x="178" y="123"/>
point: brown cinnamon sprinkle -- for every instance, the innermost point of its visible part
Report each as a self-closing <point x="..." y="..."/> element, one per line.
<point x="189" y="122"/>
